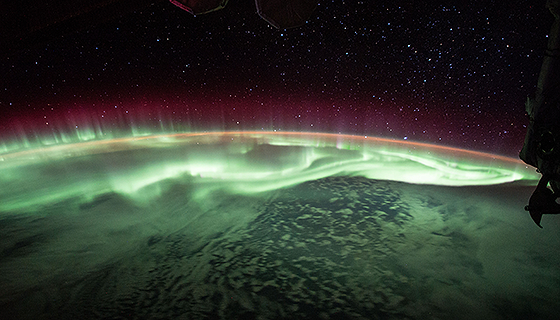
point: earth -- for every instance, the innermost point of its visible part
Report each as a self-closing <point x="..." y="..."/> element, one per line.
<point x="271" y="226"/>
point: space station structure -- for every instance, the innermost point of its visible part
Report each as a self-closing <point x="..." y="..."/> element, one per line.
<point x="541" y="148"/>
<point x="282" y="14"/>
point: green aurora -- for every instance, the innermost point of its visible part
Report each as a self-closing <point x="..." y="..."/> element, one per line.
<point x="237" y="162"/>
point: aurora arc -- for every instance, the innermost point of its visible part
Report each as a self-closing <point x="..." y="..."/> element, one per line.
<point x="141" y="168"/>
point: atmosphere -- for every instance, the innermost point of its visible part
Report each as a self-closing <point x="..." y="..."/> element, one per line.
<point x="279" y="160"/>
<point x="429" y="71"/>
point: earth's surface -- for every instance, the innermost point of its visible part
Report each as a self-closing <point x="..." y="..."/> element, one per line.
<point x="235" y="227"/>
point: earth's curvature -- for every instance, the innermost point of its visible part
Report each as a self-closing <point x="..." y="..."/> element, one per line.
<point x="271" y="226"/>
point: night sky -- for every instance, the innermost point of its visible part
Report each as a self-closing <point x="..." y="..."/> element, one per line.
<point x="455" y="75"/>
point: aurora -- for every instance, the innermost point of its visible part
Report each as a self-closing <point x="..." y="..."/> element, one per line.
<point x="237" y="162"/>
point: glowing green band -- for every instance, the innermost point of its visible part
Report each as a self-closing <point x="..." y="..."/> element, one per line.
<point x="242" y="162"/>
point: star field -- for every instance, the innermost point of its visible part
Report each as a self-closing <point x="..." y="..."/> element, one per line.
<point x="416" y="70"/>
